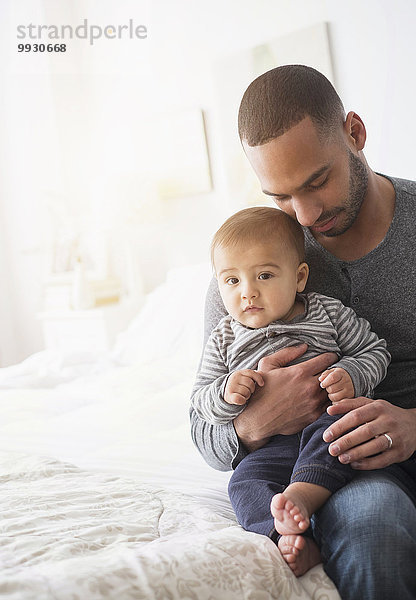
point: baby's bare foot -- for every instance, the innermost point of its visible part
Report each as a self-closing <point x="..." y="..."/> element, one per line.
<point x="299" y="552"/>
<point x="291" y="509"/>
<point x="289" y="516"/>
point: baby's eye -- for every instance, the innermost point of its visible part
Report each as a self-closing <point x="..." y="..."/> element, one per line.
<point x="231" y="281"/>
<point x="265" y="275"/>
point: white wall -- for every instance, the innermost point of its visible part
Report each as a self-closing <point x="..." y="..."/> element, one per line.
<point x="374" y="51"/>
<point x="77" y="128"/>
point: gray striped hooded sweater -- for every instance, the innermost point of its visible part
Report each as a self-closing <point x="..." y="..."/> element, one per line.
<point x="326" y="326"/>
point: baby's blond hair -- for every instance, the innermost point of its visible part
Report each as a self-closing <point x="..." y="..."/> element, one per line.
<point x="259" y="224"/>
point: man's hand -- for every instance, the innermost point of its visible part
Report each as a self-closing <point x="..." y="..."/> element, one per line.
<point x="338" y="383"/>
<point x="240" y="386"/>
<point x="369" y="420"/>
<point x="290" y="399"/>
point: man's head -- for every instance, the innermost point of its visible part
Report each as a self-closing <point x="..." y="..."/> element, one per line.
<point x="258" y="258"/>
<point x="281" y="98"/>
<point x="305" y="151"/>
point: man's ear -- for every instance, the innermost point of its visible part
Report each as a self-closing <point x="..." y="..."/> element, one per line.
<point x="355" y="131"/>
<point x="302" y="276"/>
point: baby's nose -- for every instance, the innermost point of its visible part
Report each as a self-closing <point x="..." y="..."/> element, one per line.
<point x="249" y="295"/>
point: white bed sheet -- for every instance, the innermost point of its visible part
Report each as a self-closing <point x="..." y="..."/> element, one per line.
<point x="128" y="420"/>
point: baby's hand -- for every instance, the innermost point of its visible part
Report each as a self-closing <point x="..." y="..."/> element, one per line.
<point x="240" y="386"/>
<point x="338" y="384"/>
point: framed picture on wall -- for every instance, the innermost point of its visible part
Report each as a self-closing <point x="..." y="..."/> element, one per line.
<point x="182" y="167"/>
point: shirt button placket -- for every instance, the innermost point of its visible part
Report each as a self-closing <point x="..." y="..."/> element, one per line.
<point x="354" y="298"/>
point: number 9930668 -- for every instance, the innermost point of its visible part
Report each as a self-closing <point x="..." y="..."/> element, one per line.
<point x="41" y="47"/>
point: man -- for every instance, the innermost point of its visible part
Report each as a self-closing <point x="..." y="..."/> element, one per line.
<point x="361" y="248"/>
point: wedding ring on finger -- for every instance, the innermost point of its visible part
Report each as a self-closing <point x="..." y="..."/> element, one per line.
<point x="388" y="438"/>
<point x="390" y="441"/>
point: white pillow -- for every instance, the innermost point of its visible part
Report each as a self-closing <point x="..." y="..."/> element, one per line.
<point x="171" y="320"/>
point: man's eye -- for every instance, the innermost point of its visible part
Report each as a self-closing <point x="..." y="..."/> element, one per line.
<point x="231" y="281"/>
<point x="280" y="199"/>
<point x="265" y="275"/>
<point x="318" y="186"/>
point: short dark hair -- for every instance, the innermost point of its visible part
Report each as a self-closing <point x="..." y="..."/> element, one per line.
<point x="284" y="96"/>
<point x="258" y="224"/>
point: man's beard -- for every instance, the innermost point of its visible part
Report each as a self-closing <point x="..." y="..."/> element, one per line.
<point x="358" y="183"/>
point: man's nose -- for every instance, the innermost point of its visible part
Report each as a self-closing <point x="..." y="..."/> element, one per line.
<point x="307" y="212"/>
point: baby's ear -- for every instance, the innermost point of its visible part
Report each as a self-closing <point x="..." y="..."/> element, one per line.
<point x="302" y="276"/>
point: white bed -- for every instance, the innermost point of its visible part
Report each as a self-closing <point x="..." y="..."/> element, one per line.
<point x="103" y="493"/>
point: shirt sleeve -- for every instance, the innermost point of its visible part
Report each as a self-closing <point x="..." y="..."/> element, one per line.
<point x="364" y="354"/>
<point x="218" y="444"/>
<point x="207" y="398"/>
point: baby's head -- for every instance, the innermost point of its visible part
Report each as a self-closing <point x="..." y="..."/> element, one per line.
<point x="258" y="259"/>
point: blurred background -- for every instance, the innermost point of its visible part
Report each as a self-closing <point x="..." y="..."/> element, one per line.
<point x="120" y="158"/>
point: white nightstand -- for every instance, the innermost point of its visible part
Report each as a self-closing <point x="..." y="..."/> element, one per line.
<point x="94" y="329"/>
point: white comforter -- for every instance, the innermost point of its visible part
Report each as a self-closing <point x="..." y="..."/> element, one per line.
<point x="68" y="533"/>
<point x="104" y="495"/>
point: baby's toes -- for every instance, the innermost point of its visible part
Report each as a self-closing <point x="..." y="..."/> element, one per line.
<point x="291" y="544"/>
<point x="296" y="514"/>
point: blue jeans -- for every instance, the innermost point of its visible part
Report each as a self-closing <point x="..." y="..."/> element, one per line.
<point x="367" y="535"/>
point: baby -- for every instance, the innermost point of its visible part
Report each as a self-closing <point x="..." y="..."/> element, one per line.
<point x="258" y="259"/>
